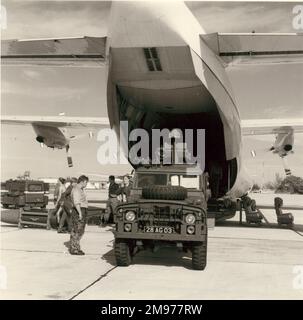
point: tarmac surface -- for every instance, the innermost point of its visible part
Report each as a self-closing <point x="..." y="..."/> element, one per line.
<point x="244" y="262"/>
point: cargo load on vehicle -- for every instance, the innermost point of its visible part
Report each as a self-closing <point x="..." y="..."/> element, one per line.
<point x="24" y="193"/>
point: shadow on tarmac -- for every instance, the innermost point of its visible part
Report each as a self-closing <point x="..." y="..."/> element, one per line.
<point x="165" y="256"/>
<point x="7" y="225"/>
<point x="67" y="243"/>
<point x="271" y="225"/>
<point x="297" y="228"/>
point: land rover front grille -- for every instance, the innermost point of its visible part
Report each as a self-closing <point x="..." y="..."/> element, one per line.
<point x="160" y="213"/>
<point x="165" y="216"/>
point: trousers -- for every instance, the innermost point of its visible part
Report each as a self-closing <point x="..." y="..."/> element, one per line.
<point x="78" y="228"/>
<point x="109" y="214"/>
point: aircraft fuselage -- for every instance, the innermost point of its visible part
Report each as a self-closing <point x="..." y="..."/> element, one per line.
<point x="161" y="74"/>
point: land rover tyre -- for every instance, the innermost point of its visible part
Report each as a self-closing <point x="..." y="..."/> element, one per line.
<point x="164" y="192"/>
<point x="5" y="206"/>
<point x="53" y="220"/>
<point x="199" y="255"/>
<point x="122" y="253"/>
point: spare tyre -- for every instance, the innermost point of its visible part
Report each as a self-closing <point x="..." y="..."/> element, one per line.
<point x="164" y="192"/>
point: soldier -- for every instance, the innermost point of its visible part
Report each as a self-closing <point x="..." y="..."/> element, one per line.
<point x="58" y="189"/>
<point x="113" y="192"/>
<point x="58" y="204"/>
<point x="126" y="188"/>
<point x="78" y="215"/>
<point x="67" y="206"/>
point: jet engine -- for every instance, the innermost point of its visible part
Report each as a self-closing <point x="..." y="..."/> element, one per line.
<point x="40" y="139"/>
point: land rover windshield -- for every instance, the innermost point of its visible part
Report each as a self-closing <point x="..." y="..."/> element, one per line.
<point x="151" y="179"/>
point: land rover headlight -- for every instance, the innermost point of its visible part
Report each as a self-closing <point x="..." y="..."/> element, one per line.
<point x="190" y="218"/>
<point x="130" y="216"/>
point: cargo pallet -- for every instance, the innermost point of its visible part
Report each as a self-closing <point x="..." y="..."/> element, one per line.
<point x="34" y="217"/>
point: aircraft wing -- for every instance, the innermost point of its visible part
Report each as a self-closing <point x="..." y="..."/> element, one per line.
<point x="58" y="121"/>
<point x="256" y="48"/>
<point x="270" y="126"/>
<point x="82" y="51"/>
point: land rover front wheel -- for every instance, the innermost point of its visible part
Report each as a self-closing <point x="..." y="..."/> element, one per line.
<point x="122" y="253"/>
<point x="199" y="256"/>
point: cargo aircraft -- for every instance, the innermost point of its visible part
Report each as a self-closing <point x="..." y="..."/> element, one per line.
<point x="165" y="71"/>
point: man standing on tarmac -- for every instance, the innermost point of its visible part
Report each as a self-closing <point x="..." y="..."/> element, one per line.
<point x="78" y="215"/>
<point x="113" y="191"/>
<point x="67" y="206"/>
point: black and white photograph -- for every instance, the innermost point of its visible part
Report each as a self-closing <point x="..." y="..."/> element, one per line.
<point x="151" y="150"/>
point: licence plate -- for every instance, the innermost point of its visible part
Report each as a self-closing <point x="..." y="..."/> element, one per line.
<point x="156" y="229"/>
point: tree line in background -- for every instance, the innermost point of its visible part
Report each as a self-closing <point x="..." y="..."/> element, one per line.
<point x="290" y="184"/>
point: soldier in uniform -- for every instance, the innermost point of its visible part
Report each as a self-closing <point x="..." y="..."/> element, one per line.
<point x="126" y="188"/>
<point x="58" y="197"/>
<point x="113" y="191"/>
<point x="59" y="189"/>
<point x="78" y="215"/>
<point x="67" y="206"/>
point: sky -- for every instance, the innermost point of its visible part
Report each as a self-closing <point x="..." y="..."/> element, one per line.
<point x="261" y="92"/>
